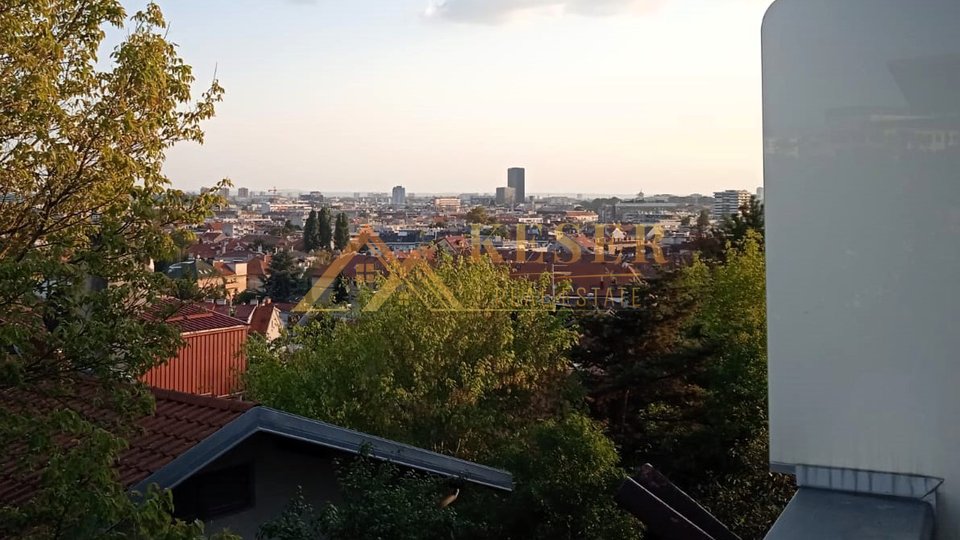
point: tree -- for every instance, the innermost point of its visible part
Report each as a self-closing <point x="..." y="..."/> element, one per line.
<point x="325" y="234"/>
<point x="644" y="369"/>
<point x="379" y="501"/>
<point x="463" y="360"/>
<point x="341" y="234"/>
<point x="478" y="215"/>
<point x="737" y="227"/>
<point x="703" y="223"/>
<point x="311" y="233"/>
<point x="286" y="282"/>
<point x="680" y="382"/>
<point x="85" y="205"/>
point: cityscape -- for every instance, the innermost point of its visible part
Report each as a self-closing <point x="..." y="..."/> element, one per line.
<point x="498" y="269"/>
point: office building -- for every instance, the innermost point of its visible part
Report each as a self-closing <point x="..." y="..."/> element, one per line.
<point x="506" y="196"/>
<point x="727" y="203"/>
<point x="399" y="196"/>
<point x="447" y="204"/>
<point x="516" y="179"/>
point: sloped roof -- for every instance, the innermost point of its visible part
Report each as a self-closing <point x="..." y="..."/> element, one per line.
<point x="194" y="270"/>
<point x="192" y="318"/>
<point x="180" y="422"/>
<point x="259" y="319"/>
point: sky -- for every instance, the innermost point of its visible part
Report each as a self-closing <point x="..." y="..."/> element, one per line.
<point x="442" y="96"/>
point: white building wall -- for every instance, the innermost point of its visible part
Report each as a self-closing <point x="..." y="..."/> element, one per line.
<point x="862" y="244"/>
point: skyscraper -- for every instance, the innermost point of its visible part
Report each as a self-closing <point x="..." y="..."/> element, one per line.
<point x="506" y="196"/>
<point x="399" y="196"/>
<point x="516" y="178"/>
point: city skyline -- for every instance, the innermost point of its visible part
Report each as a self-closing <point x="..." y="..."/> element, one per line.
<point x="662" y="96"/>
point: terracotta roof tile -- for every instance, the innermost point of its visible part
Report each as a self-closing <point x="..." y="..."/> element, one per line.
<point x="260" y="318"/>
<point x="180" y="422"/>
<point x="194" y="318"/>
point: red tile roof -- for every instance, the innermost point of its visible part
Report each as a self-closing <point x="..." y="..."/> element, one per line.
<point x="180" y="422"/>
<point x="194" y="318"/>
<point x="260" y="319"/>
<point x="258" y="266"/>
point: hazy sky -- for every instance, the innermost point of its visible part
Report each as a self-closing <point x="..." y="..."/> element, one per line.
<point x="591" y="96"/>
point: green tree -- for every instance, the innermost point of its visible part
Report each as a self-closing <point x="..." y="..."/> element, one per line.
<point x="341" y="233"/>
<point x="311" y="233"/>
<point x="85" y="205"/>
<point x="478" y="214"/>
<point x="736" y="228"/>
<point x="286" y="282"/>
<point x="703" y="223"/>
<point x="566" y="472"/>
<point x="644" y="369"/>
<point x="325" y="232"/>
<point x="680" y="382"/>
<point x="378" y="501"/>
<point x="485" y="377"/>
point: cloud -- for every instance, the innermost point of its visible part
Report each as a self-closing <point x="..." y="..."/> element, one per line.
<point x="498" y="11"/>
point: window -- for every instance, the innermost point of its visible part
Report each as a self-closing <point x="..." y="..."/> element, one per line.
<point x="216" y="493"/>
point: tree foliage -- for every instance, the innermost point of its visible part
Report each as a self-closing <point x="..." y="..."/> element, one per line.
<point x="379" y="500"/>
<point x="286" y="282"/>
<point x="84" y="205"/>
<point x="481" y="373"/>
<point x="736" y="228"/>
<point x="311" y="233"/>
<point x="681" y="383"/>
<point x="478" y="215"/>
<point x="324" y="231"/>
<point x="341" y="233"/>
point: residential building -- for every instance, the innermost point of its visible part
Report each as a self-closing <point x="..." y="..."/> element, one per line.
<point x="727" y="203"/>
<point x="447" y="204"/>
<point x="262" y="317"/>
<point x="243" y="193"/>
<point x="225" y="192"/>
<point x="213" y="356"/>
<point x="236" y="465"/>
<point x="516" y="179"/>
<point x="506" y="196"/>
<point x="399" y="197"/>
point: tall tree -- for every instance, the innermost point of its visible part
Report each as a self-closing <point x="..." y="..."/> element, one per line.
<point x="680" y="381"/>
<point x="703" y="223"/>
<point x="311" y="233"/>
<point x="464" y="360"/>
<point x="341" y="234"/>
<point x="737" y="227"/>
<point x="478" y="215"/>
<point x="286" y="282"/>
<point x="84" y="206"/>
<point x="325" y="234"/>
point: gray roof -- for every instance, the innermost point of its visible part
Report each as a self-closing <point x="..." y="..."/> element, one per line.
<point x="837" y="515"/>
<point x="267" y="420"/>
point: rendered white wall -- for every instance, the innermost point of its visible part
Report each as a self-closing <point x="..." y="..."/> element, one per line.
<point x="863" y="237"/>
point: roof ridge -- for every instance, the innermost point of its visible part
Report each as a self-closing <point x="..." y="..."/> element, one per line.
<point x="204" y="401"/>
